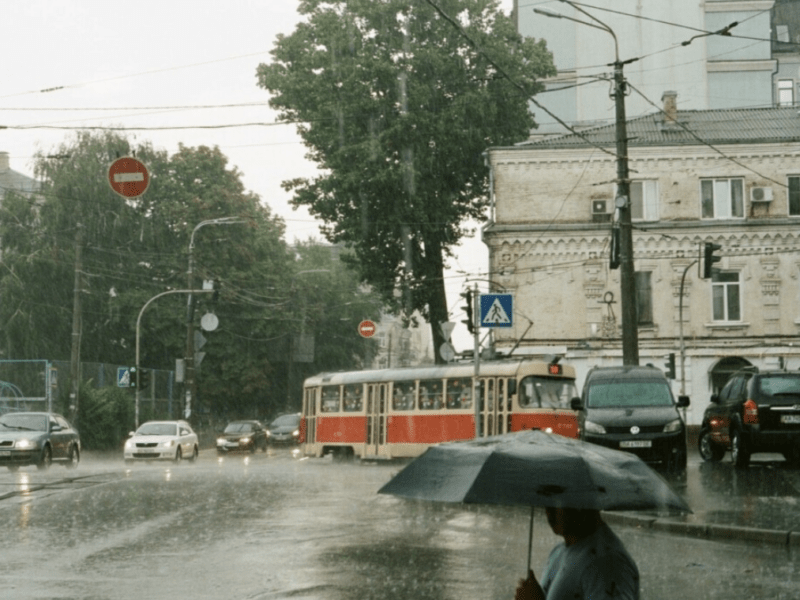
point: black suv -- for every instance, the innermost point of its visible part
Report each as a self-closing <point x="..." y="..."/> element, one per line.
<point x="756" y="411"/>
<point x="632" y="408"/>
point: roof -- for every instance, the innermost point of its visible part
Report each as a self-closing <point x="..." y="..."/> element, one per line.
<point x="632" y="371"/>
<point x="719" y="126"/>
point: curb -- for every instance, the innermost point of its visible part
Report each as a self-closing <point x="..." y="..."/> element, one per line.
<point x="727" y="533"/>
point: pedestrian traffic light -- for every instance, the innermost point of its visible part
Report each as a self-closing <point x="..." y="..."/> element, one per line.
<point x="470" y="320"/>
<point x="669" y="364"/>
<point x="132" y="377"/>
<point x="709" y="259"/>
<point x="144" y="378"/>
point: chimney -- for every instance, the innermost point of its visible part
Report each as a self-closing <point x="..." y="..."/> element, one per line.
<point x="670" y="102"/>
<point x="3" y="162"/>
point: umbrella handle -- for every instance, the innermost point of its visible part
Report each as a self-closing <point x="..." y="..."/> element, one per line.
<point x="530" y="544"/>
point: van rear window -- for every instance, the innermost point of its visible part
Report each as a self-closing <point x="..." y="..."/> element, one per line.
<point x="628" y="393"/>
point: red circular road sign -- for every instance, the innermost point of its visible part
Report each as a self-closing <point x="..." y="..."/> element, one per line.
<point x="367" y="328"/>
<point x="128" y="177"/>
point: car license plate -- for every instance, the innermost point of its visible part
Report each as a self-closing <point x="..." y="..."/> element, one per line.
<point x="636" y="444"/>
<point x="795" y="419"/>
<point x="5" y="452"/>
<point x="147" y="450"/>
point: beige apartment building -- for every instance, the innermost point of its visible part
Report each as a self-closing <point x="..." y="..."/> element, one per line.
<point x="731" y="177"/>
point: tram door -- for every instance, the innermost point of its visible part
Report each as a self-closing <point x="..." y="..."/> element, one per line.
<point x="495" y="406"/>
<point x="310" y="412"/>
<point x="377" y="398"/>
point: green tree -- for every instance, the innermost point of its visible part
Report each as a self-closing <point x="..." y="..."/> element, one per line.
<point x="397" y="107"/>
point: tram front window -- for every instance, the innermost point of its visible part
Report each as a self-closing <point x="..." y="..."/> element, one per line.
<point x="542" y="392"/>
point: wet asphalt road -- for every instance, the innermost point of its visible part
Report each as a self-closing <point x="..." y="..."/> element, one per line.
<point x="272" y="526"/>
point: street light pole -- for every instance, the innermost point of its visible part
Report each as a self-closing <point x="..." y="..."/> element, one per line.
<point x="190" y="384"/>
<point x="630" y="332"/>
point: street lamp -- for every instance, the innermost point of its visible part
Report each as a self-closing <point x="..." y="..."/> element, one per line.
<point x="190" y="383"/>
<point x="630" y="333"/>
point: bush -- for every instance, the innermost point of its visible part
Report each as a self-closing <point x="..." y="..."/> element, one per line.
<point x="105" y="416"/>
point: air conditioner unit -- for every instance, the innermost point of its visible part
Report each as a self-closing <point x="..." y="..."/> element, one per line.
<point x="761" y="194"/>
<point x="599" y="207"/>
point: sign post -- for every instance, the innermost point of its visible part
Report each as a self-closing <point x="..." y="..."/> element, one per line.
<point x="128" y="177"/>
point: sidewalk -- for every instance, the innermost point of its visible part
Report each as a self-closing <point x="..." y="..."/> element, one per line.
<point x="757" y="505"/>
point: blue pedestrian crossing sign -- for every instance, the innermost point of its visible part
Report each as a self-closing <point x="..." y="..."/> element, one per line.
<point x="497" y="310"/>
<point x="123" y="377"/>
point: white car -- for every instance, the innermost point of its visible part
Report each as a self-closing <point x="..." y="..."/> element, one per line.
<point x="162" y="440"/>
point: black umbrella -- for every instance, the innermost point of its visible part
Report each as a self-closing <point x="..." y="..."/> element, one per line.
<point x="532" y="468"/>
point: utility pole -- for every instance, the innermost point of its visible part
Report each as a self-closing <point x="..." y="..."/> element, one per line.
<point x="75" y="355"/>
<point x="630" y="321"/>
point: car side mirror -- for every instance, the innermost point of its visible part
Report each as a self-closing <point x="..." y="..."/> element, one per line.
<point x="714" y="398"/>
<point x="683" y="401"/>
<point x="576" y="404"/>
<point x="56" y="428"/>
<point x="131" y="433"/>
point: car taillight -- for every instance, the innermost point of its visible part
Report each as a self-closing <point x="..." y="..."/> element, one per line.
<point x="750" y="412"/>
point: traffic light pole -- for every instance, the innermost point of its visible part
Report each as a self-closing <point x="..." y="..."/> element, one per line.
<point x="138" y="370"/>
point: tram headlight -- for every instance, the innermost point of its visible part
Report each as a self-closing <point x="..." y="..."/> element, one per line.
<point x="592" y="427"/>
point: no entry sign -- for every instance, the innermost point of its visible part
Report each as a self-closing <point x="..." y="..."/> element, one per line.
<point x="128" y="177"/>
<point x="367" y="329"/>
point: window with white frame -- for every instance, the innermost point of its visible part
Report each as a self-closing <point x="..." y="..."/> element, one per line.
<point x="722" y="198"/>
<point x="644" y="200"/>
<point x="794" y="196"/>
<point x="726" y="296"/>
<point x="786" y="92"/>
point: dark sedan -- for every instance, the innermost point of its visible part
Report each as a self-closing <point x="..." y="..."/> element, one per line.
<point x="285" y="430"/>
<point x="37" y="438"/>
<point x="242" y="436"/>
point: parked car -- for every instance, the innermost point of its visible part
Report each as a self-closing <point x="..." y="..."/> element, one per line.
<point x="242" y="436"/>
<point x="162" y="440"/>
<point x="285" y="429"/>
<point x="756" y="411"/>
<point x="632" y="408"/>
<point x="38" y="438"/>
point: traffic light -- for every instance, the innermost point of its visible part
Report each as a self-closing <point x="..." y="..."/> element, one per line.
<point x="470" y="320"/>
<point x="709" y="259"/>
<point x="144" y="378"/>
<point x="132" y="380"/>
<point x="613" y="255"/>
<point x="669" y="364"/>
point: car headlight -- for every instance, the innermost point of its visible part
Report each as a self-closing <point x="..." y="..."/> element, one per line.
<point x="673" y="426"/>
<point x="168" y="443"/>
<point x="129" y="444"/>
<point x="221" y="441"/>
<point x="296" y="432"/>
<point x="244" y="440"/>
<point x="25" y="443"/>
<point x="592" y="427"/>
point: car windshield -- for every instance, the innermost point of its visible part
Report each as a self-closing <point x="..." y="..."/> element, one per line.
<point x="614" y="394"/>
<point x="780" y="385"/>
<point x="25" y="422"/>
<point x="239" y="428"/>
<point x="286" y="421"/>
<point x="157" y="429"/>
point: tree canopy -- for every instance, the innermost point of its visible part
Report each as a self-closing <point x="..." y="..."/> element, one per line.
<point x="397" y="106"/>
<point x="132" y="250"/>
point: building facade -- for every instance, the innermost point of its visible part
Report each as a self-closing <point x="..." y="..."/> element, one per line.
<point x="754" y="64"/>
<point x="731" y="177"/>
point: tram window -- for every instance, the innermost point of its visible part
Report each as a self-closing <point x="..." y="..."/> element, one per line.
<point x="430" y="395"/>
<point x="330" y="399"/>
<point x="353" y="398"/>
<point x="540" y="392"/>
<point x="403" y="395"/>
<point x="459" y="393"/>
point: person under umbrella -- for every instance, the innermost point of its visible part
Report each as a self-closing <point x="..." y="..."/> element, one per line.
<point x="591" y="563"/>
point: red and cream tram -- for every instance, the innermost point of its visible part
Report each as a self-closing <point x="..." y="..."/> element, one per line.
<point x="392" y="413"/>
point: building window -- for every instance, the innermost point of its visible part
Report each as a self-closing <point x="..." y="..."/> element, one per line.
<point x="794" y="196"/>
<point x="786" y="92"/>
<point x="644" y="200"/>
<point x="644" y="298"/>
<point x="722" y="198"/>
<point x="726" y="296"/>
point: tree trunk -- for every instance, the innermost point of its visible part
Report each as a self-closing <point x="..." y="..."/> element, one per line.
<point x="437" y="299"/>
